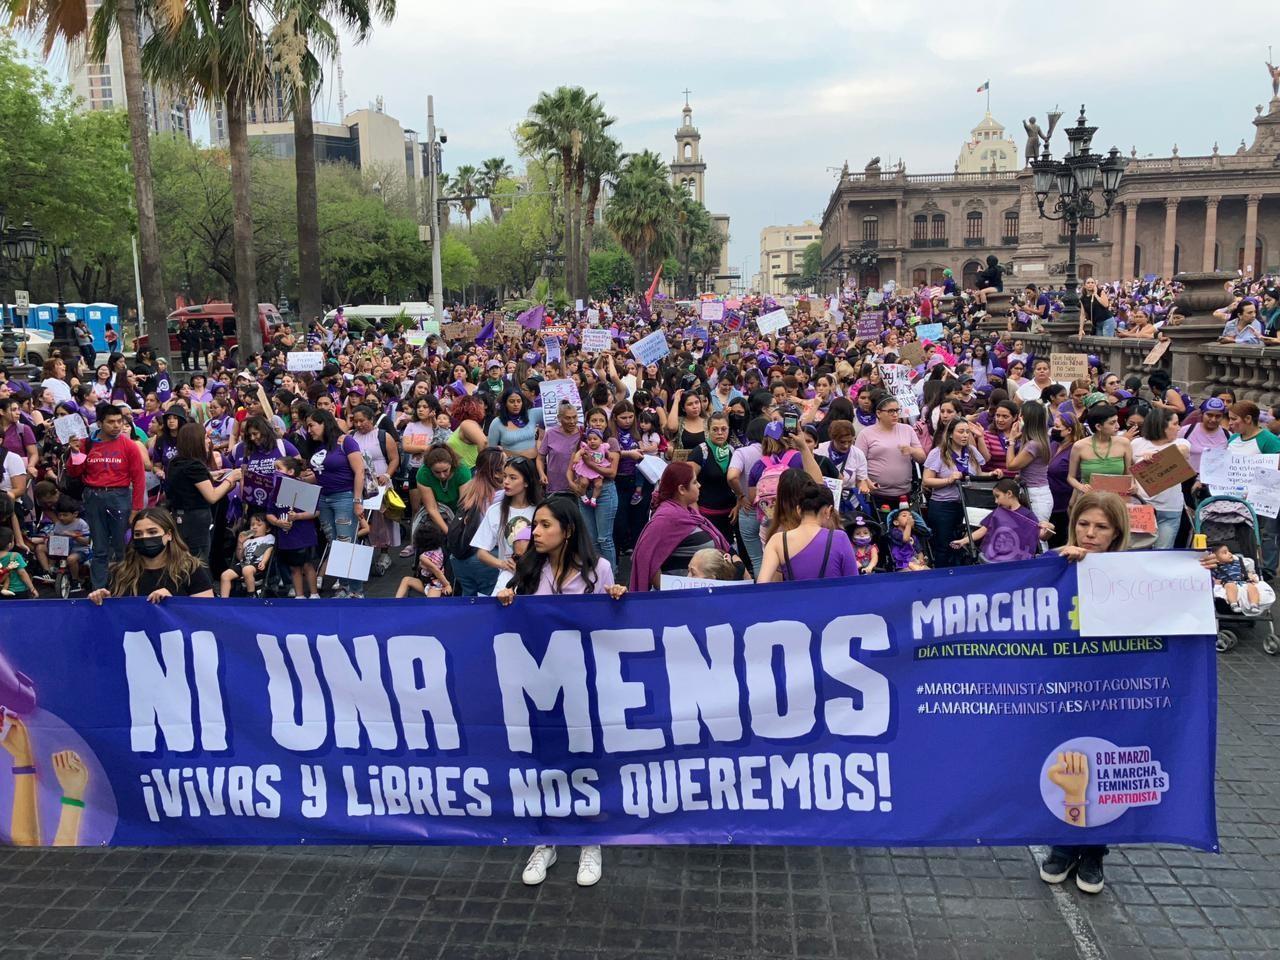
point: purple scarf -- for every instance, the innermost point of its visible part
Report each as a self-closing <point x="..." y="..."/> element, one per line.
<point x="669" y="525"/>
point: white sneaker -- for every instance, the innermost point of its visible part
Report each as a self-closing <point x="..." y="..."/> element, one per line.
<point x="590" y="866"/>
<point x="314" y="596"/>
<point x="535" y="871"/>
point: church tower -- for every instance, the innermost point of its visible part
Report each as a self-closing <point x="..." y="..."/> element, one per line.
<point x="687" y="169"/>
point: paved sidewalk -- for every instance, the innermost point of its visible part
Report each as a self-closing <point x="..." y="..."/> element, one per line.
<point x="682" y="902"/>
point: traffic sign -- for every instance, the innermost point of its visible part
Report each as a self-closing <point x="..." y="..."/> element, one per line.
<point x="21" y="301"/>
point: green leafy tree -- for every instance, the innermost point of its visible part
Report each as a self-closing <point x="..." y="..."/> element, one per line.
<point x="640" y="213"/>
<point x="492" y="172"/>
<point x="811" y="266"/>
<point x="609" y="268"/>
<point x="466" y="181"/>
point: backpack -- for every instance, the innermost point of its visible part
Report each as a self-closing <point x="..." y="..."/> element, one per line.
<point x="767" y="486"/>
<point x="462" y="530"/>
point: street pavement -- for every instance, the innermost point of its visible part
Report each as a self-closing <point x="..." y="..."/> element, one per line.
<point x="690" y="903"/>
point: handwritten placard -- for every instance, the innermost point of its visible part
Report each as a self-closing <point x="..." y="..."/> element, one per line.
<point x="870" y="323"/>
<point x="593" y="317"/>
<point x="773" y="322"/>
<point x="669" y="581"/>
<point x="559" y="331"/>
<point x="1142" y="518"/>
<point x="911" y="353"/>
<point x="512" y="328"/>
<point x="553" y="349"/>
<point x="712" y="310"/>
<point x="1066" y="367"/>
<point x="1120" y="598"/>
<point x="897" y="380"/>
<point x="415" y="338"/>
<point x="1166" y="469"/>
<point x="929" y="331"/>
<point x="59" y="546"/>
<point x="1119" y="484"/>
<point x="304" y="361"/>
<point x="595" y="340"/>
<point x="70" y="427"/>
<point x="651" y="349"/>
<point x="552" y="393"/>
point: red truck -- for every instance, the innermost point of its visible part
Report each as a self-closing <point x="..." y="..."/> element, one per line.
<point x="219" y="313"/>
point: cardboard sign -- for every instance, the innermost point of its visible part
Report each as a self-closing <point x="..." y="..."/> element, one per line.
<point x="802" y="306"/>
<point x="1065" y="367"/>
<point x="303" y="361"/>
<point x="836" y="486"/>
<point x="552" y="393"/>
<point x="512" y="328"/>
<point x="667" y="312"/>
<point x="773" y="322"/>
<point x="679" y="454"/>
<point x="1156" y="352"/>
<point x="293" y="494"/>
<point x="559" y="331"/>
<point x="732" y="346"/>
<point x="911" y="353"/>
<point x="1166" y="469"/>
<point x="452" y="331"/>
<point x="1142" y="518"/>
<point x="712" y="310"/>
<point x="70" y="427"/>
<point x="1111" y="483"/>
<point x="596" y="340"/>
<point x="651" y="349"/>
<point x="351" y="561"/>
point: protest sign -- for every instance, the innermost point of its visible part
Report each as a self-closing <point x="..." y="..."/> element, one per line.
<point x="595" y="340"/>
<point x="432" y="327"/>
<point x="897" y="380"/>
<point x="836" y="486"/>
<point x="1166" y="469"/>
<point x="1066" y="367"/>
<point x="870" y="323"/>
<point x="651" y="468"/>
<point x="650" y="349"/>
<point x="1142" y="518"/>
<point x="802" y="307"/>
<point x="553" y="349"/>
<point x="712" y="310"/>
<point x="1156" y="352"/>
<point x="812" y="712"/>
<point x="732" y="346"/>
<point x="70" y="427"/>
<point x="552" y="393"/>
<point x="1264" y="493"/>
<point x="452" y="331"/>
<point x="350" y="561"/>
<point x="559" y="331"/>
<point x="875" y="298"/>
<point x="668" y="581"/>
<point x="668" y="312"/>
<point x="512" y="328"/>
<point x="773" y="322"/>
<point x="929" y="331"/>
<point x="415" y="338"/>
<point x="58" y="546"/>
<point x="579" y="306"/>
<point x="304" y="361"/>
<point x="593" y="317"/>
<point x="1112" y="483"/>
<point x="911" y="353"/>
<point x="293" y="494"/>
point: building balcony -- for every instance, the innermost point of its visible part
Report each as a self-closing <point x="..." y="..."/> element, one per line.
<point x="975" y="241"/>
<point x="1009" y="240"/>
<point x="918" y="242"/>
<point x="1064" y="238"/>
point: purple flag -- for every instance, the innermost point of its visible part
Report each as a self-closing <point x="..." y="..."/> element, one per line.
<point x="486" y="333"/>
<point x="532" y="318"/>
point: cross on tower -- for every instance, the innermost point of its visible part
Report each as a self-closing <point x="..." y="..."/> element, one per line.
<point x="686" y="92"/>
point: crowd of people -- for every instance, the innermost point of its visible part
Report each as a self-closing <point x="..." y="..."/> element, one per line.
<point x="513" y="461"/>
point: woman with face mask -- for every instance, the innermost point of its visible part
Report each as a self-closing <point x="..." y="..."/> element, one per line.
<point x="156" y="564"/>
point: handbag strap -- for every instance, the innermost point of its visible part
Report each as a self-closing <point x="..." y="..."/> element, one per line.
<point x="826" y="554"/>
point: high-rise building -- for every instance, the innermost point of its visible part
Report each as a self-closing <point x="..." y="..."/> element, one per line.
<point x="688" y="172"/>
<point x="101" y="85"/>
<point x="782" y="253"/>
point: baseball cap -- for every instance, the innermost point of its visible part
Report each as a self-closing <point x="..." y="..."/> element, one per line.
<point x="495" y="362"/>
<point x="774" y="430"/>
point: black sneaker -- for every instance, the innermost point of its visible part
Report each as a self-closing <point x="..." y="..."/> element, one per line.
<point x="1089" y="874"/>
<point x="1057" y="866"/>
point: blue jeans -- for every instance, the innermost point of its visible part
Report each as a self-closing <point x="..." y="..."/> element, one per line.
<point x="749" y="530"/>
<point x="338" y="521"/>
<point x="1167" y="524"/>
<point x="107" y="513"/>
<point x="600" y="521"/>
<point x="1269" y="527"/>
<point x="475" y="577"/>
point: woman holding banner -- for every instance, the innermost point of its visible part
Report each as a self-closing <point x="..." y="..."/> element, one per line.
<point x="1099" y="523"/>
<point x="563" y="561"/>
<point x="156" y="564"/>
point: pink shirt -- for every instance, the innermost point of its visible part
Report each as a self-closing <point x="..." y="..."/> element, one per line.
<point x="889" y="467"/>
<point x="1201" y="441"/>
<point x="575" y="584"/>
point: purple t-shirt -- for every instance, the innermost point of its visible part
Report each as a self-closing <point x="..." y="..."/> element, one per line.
<point x="298" y="537"/>
<point x="1011" y="535"/>
<point x="17" y="438"/>
<point x="332" y="469"/>
<point x="808" y="565"/>
<point x="557" y="448"/>
<point x="626" y="441"/>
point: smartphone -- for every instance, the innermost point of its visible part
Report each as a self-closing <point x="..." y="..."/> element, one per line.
<point x="790" y="422"/>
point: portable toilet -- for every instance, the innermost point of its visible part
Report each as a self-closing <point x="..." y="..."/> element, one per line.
<point x="99" y="316"/>
<point x="41" y="316"/>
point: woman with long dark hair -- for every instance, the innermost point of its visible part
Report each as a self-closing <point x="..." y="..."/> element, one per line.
<point x="675" y="531"/>
<point x="494" y="540"/>
<point x="514" y="428"/>
<point x="256" y="455"/>
<point x="474" y="498"/>
<point x="338" y="466"/>
<point x="562" y="560"/>
<point x="156" y="564"/>
<point x="190" y="490"/>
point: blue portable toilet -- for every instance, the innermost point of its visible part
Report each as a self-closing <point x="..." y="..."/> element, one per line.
<point x="42" y="315"/>
<point x="99" y="316"/>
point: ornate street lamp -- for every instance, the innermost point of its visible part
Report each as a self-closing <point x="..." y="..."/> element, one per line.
<point x="17" y="246"/>
<point x="64" y="339"/>
<point x="1076" y="179"/>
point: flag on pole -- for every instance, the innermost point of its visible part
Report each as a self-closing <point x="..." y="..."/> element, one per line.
<point x="531" y="319"/>
<point x="653" y="287"/>
<point x="985" y="86"/>
<point x="486" y="333"/>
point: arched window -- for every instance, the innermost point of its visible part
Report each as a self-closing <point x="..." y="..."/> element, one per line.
<point x="1254" y="262"/>
<point x="1009" y="233"/>
<point x="688" y="151"/>
<point x="973" y="232"/>
<point x="938" y="230"/>
<point x="969" y="275"/>
<point x="919" y="228"/>
<point x="870" y="229"/>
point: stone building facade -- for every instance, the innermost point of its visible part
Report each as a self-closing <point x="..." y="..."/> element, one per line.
<point x="688" y="173"/>
<point x="1172" y="214"/>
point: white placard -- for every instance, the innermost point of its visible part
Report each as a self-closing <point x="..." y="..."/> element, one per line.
<point x="651" y="468"/>
<point x="555" y="392"/>
<point x="651" y="349"/>
<point x="293" y="494"/>
<point x="773" y="322"/>
<point x="1264" y="492"/>
<point x="350" y="561"/>
<point x="596" y="340"/>
<point x="669" y="581"/>
<point x="553" y="349"/>
<point x="712" y="310"/>
<point x="70" y="427"/>
<point x="59" y="546"/>
<point x="897" y="380"/>
<point x="1122" y="596"/>
<point x="579" y="305"/>
<point x="1213" y="467"/>
<point x="593" y="317"/>
<point x="836" y="486"/>
<point x="375" y="502"/>
<point x="875" y="298"/>
<point x="303" y="361"/>
<point x="415" y="338"/>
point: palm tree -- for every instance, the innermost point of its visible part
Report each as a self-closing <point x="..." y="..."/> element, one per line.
<point x="491" y="172"/>
<point x="68" y="20"/>
<point x="466" y="180"/>
<point x="601" y="160"/>
<point x="215" y="51"/>
<point x="640" y="213"/>
<point x="304" y="30"/>
<point x="446" y="188"/>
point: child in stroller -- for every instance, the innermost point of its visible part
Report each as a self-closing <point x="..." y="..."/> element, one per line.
<point x="1228" y="526"/>
<point x="1235" y="580"/>
<point x="908" y="534"/>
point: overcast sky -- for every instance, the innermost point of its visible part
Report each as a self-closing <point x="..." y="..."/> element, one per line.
<point x="784" y="90"/>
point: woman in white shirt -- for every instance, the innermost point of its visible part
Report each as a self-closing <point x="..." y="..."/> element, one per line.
<point x="1160" y="430"/>
<point x="494" y="540"/>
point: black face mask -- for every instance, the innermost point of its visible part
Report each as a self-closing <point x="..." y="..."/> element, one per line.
<point x="149" y="547"/>
<point x="737" y="421"/>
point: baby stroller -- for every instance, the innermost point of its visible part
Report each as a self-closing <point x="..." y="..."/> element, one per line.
<point x="979" y="499"/>
<point x="1231" y="521"/>
<point x="921" y="534"/>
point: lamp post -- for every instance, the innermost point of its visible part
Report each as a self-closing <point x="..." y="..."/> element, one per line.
<point x="548" y="260"/>
<point x="1076" y="178"/>
<point x="17" y="246"/>
<point x="63" y="338"/>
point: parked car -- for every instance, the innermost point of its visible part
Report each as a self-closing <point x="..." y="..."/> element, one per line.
<point x="39" y="345"/>
<point x="217" y="313"/>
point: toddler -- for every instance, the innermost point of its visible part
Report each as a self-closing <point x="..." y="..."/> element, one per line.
<point x="904" y="544"/>
<point x="428" y="542"/>
<point x="592" y="456"/>
<point x="296" y="537"/>
<point x="865" y="551"/>
<point x="254" y="553"/>
<point x="14" y="579"/>
<point x="67" y="523"/>
<point x="1233" y="573"/>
